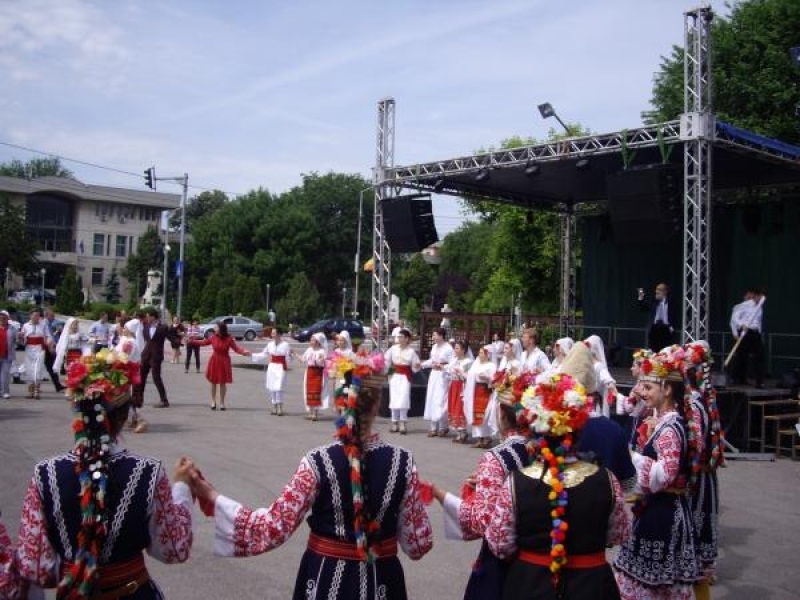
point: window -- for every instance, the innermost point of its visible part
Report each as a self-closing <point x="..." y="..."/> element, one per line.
<point x="122" y="246"/>
<point x="97" y="275"/>
<point x="49" y="222"/>
<point x="99" y="244"/>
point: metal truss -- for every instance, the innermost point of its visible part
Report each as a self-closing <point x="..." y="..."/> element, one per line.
<point x="569" y="288"/>
<point x="698" y="131"/>
<point x="381" y="254"/>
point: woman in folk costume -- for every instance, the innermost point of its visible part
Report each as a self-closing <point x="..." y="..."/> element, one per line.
<point x="126" y="344"/>
<point x="364" y="499"/>
<point x="456" y="373"/>
<point x="662" y="515"/>
<point x="71" y="345"/>
<point x="606" y="392"/>
<point x="402" y="362"/>
<point x="467" y="517"/>
<point x="560" y="350"/>
<point x="477" y="394"/>
<point x="509" y="368"/>
<point x="219" y="370"/>
<point x="278" y="353"/>
<point x="705" y="499"/>
<point x="339" y="366"/>
<point x="34" y="337"/>
<point x="436" y="395"/>
<point x="89" y="515"/>
<point x="314" y="378"/>
<point x="555" y="517"/>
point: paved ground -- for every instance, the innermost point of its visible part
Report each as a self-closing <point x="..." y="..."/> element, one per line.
<point x="249" y="455"/>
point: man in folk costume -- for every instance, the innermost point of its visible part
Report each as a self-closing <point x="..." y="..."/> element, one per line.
<point x="436" y="396"/>
<point x="278" y="353"/>
<point x="35" y="338"/>
<point x="402" y="362"/>
<point x="314" y="379"/>
<point x="533" y="359"/>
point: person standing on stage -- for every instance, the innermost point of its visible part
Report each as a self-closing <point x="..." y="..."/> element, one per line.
<point x="661" y="318"/>
<point x="154" y="333"/>
<point x="533" y="359"/>
<point x="35" y="338"/>
<point x="402" y="362"/>
<point x="278" y="353"/>
<point x="54" y="329"/>
<point x="746" y="321"/>
<point x="219" y="371"/>
<point x="100" y="332"/>
<point x="436" y="396"/>
<point x="314" y="357"/>
<point x="8" y="351"/>
<point x="193" y="333"/>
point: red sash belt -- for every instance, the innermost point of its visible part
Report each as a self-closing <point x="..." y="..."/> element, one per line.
<point x="280" y="360"/>
<point x="117" y="580"/>
<point x="35" y="340"/>
<point x="404" y="370"/>
<point x="574" y="561"/>
<point x="348" y="550"/>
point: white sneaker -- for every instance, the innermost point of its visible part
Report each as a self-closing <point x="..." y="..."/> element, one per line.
<point x="797" y="425"/>
<point x="6" y="396"/>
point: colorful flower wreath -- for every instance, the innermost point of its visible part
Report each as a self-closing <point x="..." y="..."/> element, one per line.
<point x="699" y="357"/>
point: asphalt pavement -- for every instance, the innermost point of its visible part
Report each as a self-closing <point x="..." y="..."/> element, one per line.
<point x="249" y="454"/>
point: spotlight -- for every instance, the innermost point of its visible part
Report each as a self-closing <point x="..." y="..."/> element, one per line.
<point x="439" y="185"/>
<point x="482" y="175"/>
<point x="582" y="164"/>
<point x="531" y="169"/>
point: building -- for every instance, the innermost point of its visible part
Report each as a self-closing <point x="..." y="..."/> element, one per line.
<point x="92" y="228"/>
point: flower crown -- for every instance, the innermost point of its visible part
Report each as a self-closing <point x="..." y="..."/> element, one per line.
<point x="105" y="376"/>
<point x="666" y="365"/>
<point x="557" y="406"/>
<point x="641" y="354"/>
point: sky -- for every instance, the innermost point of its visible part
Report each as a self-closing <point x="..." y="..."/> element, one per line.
<point x="249" y="94"/>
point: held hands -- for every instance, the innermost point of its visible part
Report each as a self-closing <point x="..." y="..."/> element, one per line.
<point x="184" y="470"/>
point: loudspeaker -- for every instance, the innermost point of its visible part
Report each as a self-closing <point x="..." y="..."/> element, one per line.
<point x="408" y="223"/>
<point x="644" y="203"/>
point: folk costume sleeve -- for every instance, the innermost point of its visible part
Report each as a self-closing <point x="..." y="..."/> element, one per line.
<point x="619" y="524"/>
<point x="170" y="521"/>
<point x="241" y="531"/>
<point x="37" y="561"/>
<point x="414" y="532"/>
<point x="475" y="513"/>
<point x="501" y="534"/>
<point x="657" y="475"/>
<point x="9" y="580"/>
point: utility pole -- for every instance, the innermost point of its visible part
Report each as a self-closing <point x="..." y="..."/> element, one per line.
<point x="357" y="265"/>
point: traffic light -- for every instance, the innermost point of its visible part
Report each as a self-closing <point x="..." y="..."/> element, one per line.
<point x="150" y="178"/>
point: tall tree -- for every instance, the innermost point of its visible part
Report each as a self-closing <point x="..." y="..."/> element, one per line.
<point x="756" y="85"/>
<point x="201" y="206"/>
<point x="17" y="250"/>
<point x="68" y="294"/>
<point x="301" y="300"/>
<point x="36" y="167"/>
<point x="111" y="292"/>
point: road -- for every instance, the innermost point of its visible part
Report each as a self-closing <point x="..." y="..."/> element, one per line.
<point x="249" y="455"/>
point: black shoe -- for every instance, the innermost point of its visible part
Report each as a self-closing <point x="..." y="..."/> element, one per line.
<point x="60" y="388"/>
<point x="161" y="405"/>
<point x="213" y="407"/>
<point x="222" y="408"/>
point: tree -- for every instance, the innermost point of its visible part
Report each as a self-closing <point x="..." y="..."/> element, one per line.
<point x="68" y="294"/>
<point x="111" y="292"/>
<point x="463" y="253"/>
<point x="301" y="300"/>
<point x="756" y="85"/>
<point x="410" y="313"/>
<point x="149" y="255"/>
<point x="416" y="279"/>
<point x="36" y="167"/>
<point x="199" y="207"/>
<point x="17" y="250"/>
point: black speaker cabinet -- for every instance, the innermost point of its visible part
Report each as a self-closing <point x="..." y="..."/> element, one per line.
<point x="408" y="223"/>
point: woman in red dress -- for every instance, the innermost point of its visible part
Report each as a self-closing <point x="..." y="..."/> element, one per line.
<point x="218" y="370"/>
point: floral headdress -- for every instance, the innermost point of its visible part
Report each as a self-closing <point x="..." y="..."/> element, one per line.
<point x="641" y="354"/>
<point x="557" y="407"/>
<point x="98" y="385"/>
<point x="666" y="365"/>
<point x="700" y="358"/>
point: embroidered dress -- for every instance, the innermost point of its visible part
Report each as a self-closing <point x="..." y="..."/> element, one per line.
<point x="322" y="485"/>
<point x="143" y="514"/>
<point x="477" y="395"/>
<point x="456" y="376"/>
<point x="314" y="380"/>
<point x="407" y="361"/>
<point x="514" y="366"/>
<point x="436" y="395"/>
<point x="35" y="337"/>
<point x="663" y="521"/>
<point x="467" y="517"/>
<point x="705" y="500"/>
<point x="219" y="369"/>
<point x="9" y="581"/>
<point x="522" y="522"/>
<point x="278" y="356"/>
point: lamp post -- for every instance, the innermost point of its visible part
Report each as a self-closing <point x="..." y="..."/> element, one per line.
<point x="165" y="278"/>
<point x="547" y="111"/>
<point x="43" y="272"/>
<point x="344" y="299"/>
<point x="8" y="282"/>
<point x="268" y="286"/>
<point x="357" y="263"/>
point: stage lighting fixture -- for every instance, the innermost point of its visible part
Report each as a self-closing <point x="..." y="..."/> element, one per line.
<point x="531" y="169"/>
<point x="582" y="164"/>
<point x="438" y="186"/>
<point x="547" y="111"/>
<point x="482" y="175"/>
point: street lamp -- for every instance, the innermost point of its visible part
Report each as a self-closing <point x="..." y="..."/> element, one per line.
<point x="43" y="272"/>
<point x="547" y="111"/>
<point x="8" y="282"/>
<point x="344" y="299"/>
<point x="268" y="286"/>
<point x="164" y="280"/>
<point x="357" y="265"/>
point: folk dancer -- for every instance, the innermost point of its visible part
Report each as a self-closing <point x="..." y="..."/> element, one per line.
<point x="477" y="394"/>
<point x="72" y="344"/>
<point x="509" y="368"/>
<point x="314" y="379"/>
<point x="34" y="337"/>
<point x="436" y="395"/>
<point x="339" y="366"/>
<point x="533" y="359"/>
<point x="456" y="373"/>
<point x="219" y="371"/>
<point x="278" y="353"/>
<point x="605" y="394"/>
<point x="54" y="329"/>
<point x="560" y="350"/>
<point x="401" y="362"/>
<point x="8" y="351"/>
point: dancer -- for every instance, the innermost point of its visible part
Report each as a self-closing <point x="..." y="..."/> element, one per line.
<point x="606" y="390"/>
<point x="402" y="362"/>
<point x="364" y="499"/>
<point x="314" y="379"/>
<point x="476" y="398"/>
<point x="533" y="359"/>
<point x="467" y="517"/>
<point x="456" y="373"/>
<point x="663" y="517"/>
<point x="219" y="371"/>
<point x="8" y="351"/>
<point x="508" y="370"/>
<point x="555" y="518"/>
<point x="90" y="514"/>
<point x="154" y="332"/>
<point x="127" y="345"/>
<point x="279" y="354"/>
<point x="560" y="350"/>
<point x="71" y="345"/>
<point x="339" y="366"/>
<point x="436" y="395"/>
<point x="34" y="337"/>
<point x="193" y="332"/>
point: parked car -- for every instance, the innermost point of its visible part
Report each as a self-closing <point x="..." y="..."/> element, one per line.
<point x="238" y="327"/>
<point x="21" y="297"/>
<point x="331" y="327"/>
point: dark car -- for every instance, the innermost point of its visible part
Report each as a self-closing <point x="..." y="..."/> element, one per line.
<point x="331" y="327"/>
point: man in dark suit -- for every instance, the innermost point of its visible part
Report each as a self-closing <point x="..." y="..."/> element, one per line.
<point x="661" y="320"/>
<point x="154" y="333"/>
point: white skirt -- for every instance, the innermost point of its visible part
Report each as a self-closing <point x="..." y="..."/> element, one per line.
<point x="276" y="377"/>
<point x="436" y="396"/>
<point x="399" y="392"/>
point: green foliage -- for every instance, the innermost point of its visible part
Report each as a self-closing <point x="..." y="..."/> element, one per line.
<point x="414" y="279"/>
<point x="461" y="273"/>
<point x="199" y="207"/>
<point x="249" y="295"/>
<point x="36" y="167"/>
<point x="149" y="255"/>
<point x="410" y="313"/>
<point x="756" y="86"/>
<point x="301" y="300"/>
<point x="111" y="292"/>
<point x="98" y="308"/>
<point x="68" y="294"/>
<point x="17" y="250"/>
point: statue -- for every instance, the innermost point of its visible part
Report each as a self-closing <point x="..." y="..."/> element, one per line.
<point x="151" y="294"/>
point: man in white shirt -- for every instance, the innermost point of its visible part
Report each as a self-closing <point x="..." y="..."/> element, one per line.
<point x="533" y="359"/>
<point x="746" y="322"/>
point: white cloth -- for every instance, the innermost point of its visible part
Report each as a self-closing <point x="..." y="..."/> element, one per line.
<point x="399" y="385"/>
<point x="562" y="348"/>
<point x="63" y="343"/>
<point x="135" y="326"/>
<point x="478" y="373"/>
<point x="534" y="361"/>
<point x="315" y="358"/>
<point x="436" y="395"/>
<point x="604" y="381"/>
<point x="276" y="375"/>
<point x="34" y="353"/>
<point x="495" y="350"/>
<point x="747" y="314"/>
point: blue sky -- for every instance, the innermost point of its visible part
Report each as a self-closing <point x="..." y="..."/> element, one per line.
<point x="251" y="94"/>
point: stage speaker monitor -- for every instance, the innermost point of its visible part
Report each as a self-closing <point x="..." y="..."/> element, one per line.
<point x="408" y="223"/>
<point x="644" y="203"/>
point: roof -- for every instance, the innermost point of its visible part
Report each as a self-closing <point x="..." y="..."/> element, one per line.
<point x="82" y="191"/>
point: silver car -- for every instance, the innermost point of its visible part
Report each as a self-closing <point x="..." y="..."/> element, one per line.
<point x="238" y="327"/>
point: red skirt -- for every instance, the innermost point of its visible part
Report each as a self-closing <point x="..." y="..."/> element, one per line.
<point x="455" y="405"/>
<point x="314" y="387"/>
<point x="480" y="403"/>
<point x="219" y="369"/>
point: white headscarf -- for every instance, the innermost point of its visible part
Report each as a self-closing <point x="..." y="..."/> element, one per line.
<point x="597" y="348"/>
<point x="136" y="327"/>
<point x="565" y="345"/>
<point x="348" y="345"/>
<point x="61" y="348"/>
<point x="516" y="345"/>
<point x="323" y="341"/>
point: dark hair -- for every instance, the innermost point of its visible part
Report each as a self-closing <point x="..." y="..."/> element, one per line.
<point x="441" y="331"/>
<point x="463" y="344"/>
<point x="508" y="415"/>
<point x="223" y="329"/>
<point x="153" y="312"/>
